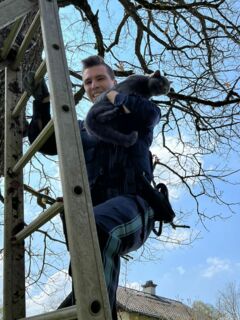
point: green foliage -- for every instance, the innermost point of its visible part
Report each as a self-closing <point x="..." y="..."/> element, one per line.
<point x="1" y="313"/>
<point x="207" y="310"/>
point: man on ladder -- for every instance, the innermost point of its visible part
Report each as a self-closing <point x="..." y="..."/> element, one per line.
<point x="123" y="218"/>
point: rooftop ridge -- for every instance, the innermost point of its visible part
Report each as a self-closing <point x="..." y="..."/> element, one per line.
<point x="142" y="293"/>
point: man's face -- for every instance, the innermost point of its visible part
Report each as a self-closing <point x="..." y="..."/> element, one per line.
<point x="97" y="80"/>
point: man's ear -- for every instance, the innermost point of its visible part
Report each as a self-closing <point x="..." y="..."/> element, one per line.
<point x="155" y="74"/>
<point x="115" y="81"/>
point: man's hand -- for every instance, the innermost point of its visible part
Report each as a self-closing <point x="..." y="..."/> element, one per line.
<point x="111" y="95"/>
<point x="112" y="113"/>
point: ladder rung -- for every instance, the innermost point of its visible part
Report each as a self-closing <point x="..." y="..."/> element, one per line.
<point x="14" y="9"/>
<point x="38" y="142"/>
<point x="39" y="221"/>
<point x="8" y="42"/>
<point x="42" y="69"/>
<point x="27" y="39"/>
<point x="68" y="313"/>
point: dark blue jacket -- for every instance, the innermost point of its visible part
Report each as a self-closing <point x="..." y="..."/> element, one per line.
<point x="106" y="161"/>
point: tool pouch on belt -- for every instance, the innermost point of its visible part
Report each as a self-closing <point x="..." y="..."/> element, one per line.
<point x="158" y="200"/>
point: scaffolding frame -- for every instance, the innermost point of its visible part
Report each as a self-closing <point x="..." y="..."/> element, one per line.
<point x="88" y="277"/>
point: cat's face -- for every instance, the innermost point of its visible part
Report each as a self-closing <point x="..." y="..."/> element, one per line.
<point x="96" y="80"/>
<point x="158" y="84"/>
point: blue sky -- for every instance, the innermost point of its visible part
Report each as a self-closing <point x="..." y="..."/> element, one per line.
<point x="195" y="271"/>
<point x="190" y="272"/>
<point x="199" y="270"/>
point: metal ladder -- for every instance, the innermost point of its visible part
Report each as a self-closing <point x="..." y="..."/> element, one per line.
<point x="89" y="283"/>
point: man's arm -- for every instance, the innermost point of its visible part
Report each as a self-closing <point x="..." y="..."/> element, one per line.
<point x="41" y="116"/>
<point x="146" y="112"/>
<point x="111" y="97"/>
<point x="41" y="112"/>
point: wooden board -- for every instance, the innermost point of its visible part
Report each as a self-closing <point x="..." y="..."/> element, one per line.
<point x="14" y="275"/>
<point x="11" y="10"/>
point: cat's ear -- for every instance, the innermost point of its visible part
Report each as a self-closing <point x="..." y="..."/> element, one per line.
<point x="155" y="74"/>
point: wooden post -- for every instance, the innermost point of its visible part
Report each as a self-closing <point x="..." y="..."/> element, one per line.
<point x="13" y="9"/>
<point x="8" y="42"/>
<point x="14" y="275"/>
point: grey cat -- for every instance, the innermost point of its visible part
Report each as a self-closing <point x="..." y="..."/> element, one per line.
<point x="98" y="121"/>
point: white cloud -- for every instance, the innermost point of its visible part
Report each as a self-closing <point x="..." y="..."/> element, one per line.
<point x="215" y="266"/>
<point x="172" y="239"/>
<point x="54" y="291"/>
<point x="189" y="163"/>
<point x="134" y="285"/>
<point x="181" y="270"/>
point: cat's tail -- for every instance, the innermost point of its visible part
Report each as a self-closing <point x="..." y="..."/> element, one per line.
<point x="107" y="115"/>
<point x="130" y="139"/>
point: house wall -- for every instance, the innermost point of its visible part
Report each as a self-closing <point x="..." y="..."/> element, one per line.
<point x="122" y="315"/>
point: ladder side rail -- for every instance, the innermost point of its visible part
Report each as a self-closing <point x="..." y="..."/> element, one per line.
<point x="13" y="9"/>
<point x="14" y="267"/>
<point x="69" y="313"/>
<point x="43" y="218"/>
<point x="89" y="283"/>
